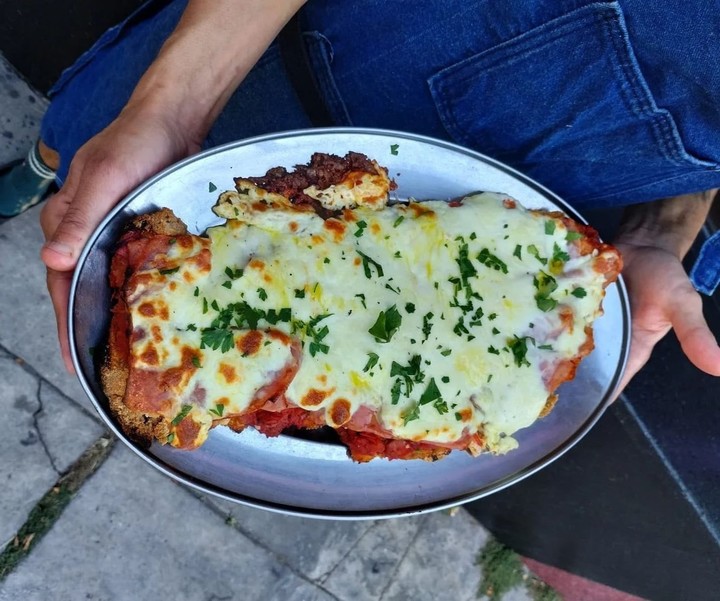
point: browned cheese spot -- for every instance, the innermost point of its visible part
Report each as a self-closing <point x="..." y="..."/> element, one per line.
<point x="420" y="211"/>
<point x="150" y="356"/>
<point x="228" y="372"/>
<point x="203" y="260"/>
<point x="249" y="344"/>
<point x="314" y="397"/>
<point x="466" y="414"/>
<point x="336" y="228"/>
<point x="156" y="333"/>
<point x="146" y="309"/>
<point x="184" y="242"/>
<point x="340" y="412"/>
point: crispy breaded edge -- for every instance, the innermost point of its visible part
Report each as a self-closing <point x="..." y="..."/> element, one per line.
<point x="115" y="369"/>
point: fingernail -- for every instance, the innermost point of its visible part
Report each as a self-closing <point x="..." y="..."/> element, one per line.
<point x="59" y="248"/>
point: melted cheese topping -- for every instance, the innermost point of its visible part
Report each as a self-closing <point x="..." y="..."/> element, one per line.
<point x="443" y="320"/>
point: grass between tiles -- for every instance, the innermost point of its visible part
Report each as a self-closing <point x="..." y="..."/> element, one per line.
<point x="503" y="570"/>
<point x="53" y="503"/>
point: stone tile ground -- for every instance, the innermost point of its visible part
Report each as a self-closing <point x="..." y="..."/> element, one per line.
<point x="22" y="111"/>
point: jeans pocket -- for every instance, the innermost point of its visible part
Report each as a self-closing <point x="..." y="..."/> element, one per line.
<point x="567" y="104"/>
<point x="320" y="55"/>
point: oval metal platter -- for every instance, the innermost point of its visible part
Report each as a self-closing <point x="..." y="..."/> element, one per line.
<point x="316" y="478"/>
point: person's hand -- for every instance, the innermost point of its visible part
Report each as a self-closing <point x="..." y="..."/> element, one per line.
<point x="135" y="146"/>
<point x="661" y="298"/>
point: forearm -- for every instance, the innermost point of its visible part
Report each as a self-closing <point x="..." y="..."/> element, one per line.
<point x="671" y="224"/>
<point x="213" y="48"/>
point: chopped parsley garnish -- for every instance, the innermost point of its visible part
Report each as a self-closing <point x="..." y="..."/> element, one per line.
<point x="518" y="347"/>
<point x="317" y="345"/>
<point x="362" y="300"/>
<point x="397" y="255"/>
<point x="533" y="250"/>
<point x="387" y="323"/>
<point x="299" y="293"/>
<point x="493" y="350"/>
<point x="214" y="305"/>
<point x="467" y="269"/>
<point x="272" y="316"/>
<point x="489" y="378"/>
<point x="490" y="260"/>
<point x="395" y="290"/>
<point x="572" y="236"/>
<point x="394" y="148"/>
<point x="205" y="306"/>
<point x="218" y="410"/>
<point x="211" y="187"/>
<point x="559" y="257"/>
<point x="169" y="271"/>
<point x="367" y="262"/>
<point x="460" y="328"/>
<point x="458" y="416"/>
<point x="217" y="338"/>
<point x="361" y="228"/>
<point x="196" y="361"/>
<point x="326" y="260"/>
<point x="408" y="375"/>
<point x="546" y="347"/>
<point x="409" y="307"/>
<point x="371" y="362"/>
<point x="170" y="437"/>
<point x="181" y="416"/>
<point x="262" y="294"/>
<point x="545" y="285"/>
<point x="473" y="236"/>
<point x="492" y="316"/>
<point x="549" y="227"/>
<point x="477" y="317"/>
<point x="446" y="352"/>
<point x="233" y="274"/>
<point x="192" y="327"/>
<point x="495" y="331"/>
<point x="411" y="414"/>
<point x="579" y="293"/>
<point x="518" y="251"/>
<point x="427" y="325"/>
<point x="196" y="292"/>
<point x="399" y="220"/>
<point x="227" y="284"/>
<point x="432" y="395"/>
<point x="395" y="391"/>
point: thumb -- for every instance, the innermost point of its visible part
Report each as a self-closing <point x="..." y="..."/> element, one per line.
<point x="70" y="217"/>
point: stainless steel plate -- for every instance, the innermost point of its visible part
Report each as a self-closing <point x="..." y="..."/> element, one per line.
<point x="304" y="477"/>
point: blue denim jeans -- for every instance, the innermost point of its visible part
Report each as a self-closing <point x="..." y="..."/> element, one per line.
<point x="606" y="103"/>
